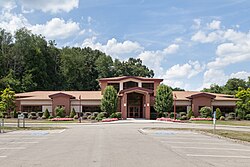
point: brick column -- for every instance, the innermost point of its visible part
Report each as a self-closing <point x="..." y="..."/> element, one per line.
<point x="147" y="113"/>
<point x="124" y="106"/>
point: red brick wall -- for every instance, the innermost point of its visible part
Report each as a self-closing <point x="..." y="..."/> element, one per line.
<point x="200" y="101"/>
<point x="156" y="84"/>
<point x="103" y="85"/>
<point x="61" y="101"/>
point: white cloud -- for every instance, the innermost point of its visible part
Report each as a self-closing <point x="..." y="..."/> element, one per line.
<point x="53" y="6"/>
<point x="214" y="25"/>
<point x="113" y="47"/>
<point x="15" y="21"/>
<point x="171" y="49"/>
<point x="233" y="47"/>
<point x="90" y="20"/>
<point x="213" y="76"/>
<point x="8" y="5"/>
<point x="197" y="24"/>
<point x="202" y="37"/>
<point x="241" y="75"/>
<point x="177" y="75"/>
<point x="57" y="28"/>
<point x="230" y="53"/>
<point x="188" y="70"/>
<point x="176" y="83"/>
<point x="154" y="59"/>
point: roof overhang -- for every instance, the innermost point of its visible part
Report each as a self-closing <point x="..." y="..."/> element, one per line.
<point x="61" y="94"/>
<point x="136" y="89"/>
<point x="202" y="95"/>
<point x="130" y="77"/>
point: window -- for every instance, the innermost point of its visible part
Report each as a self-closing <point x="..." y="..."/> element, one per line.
<point x="115" y="85"/>
<point x="129" y="84"/>
<point x="91" y="109"/>
<point x="31" y="108"/>
<point x="148" y="85"/>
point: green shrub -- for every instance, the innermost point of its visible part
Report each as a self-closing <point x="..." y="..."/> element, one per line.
<point x="222" y="118"/>
<point x="182" y="114"/>
<point x="43" y="117"/>
<point x="95" y="114"/>
<point x="25" y="114"/>
<point x="87" y="114"/>
<point x="105" y="114"/>
<point x="171" y="115"/>
<point x="218" y="113"/>
<point x="190" y="114"/>
<point x="72" y="113"/>
<point x="231" y="116"/>
<point x="205" y="112"/>
<point x="84" y="117"/>
<point x="183" y="117"/>
<point x="1" y="115"/>
<point x="60" y="112"/>
<point x="113" y="115"/>
<point x="247" y="117"/>
<point x="33" y="113"/>
<point x="92" y="117"/>
<point x="240" y="114"/>
<point x="46" y="114"/>
<point x="14" y="114"/>
<point x="4" y="114"/>
<point x="101" y="115"/>
<point x="98" y="118"/>
<point x="89" y="117"/>
<point x="40" y="114"/>
<point x="50" y="117"/>
<point x="118" y="115"/>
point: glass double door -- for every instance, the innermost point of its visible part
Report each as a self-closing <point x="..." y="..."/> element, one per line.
<point x="134" y="112"/>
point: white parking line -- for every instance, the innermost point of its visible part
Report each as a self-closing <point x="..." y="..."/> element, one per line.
<point x="12" y="148"/>
<point x="28" y="138"/>
<point x="196" y="139"/>
<point x="2" y="156"/>
<point x="24" y="142"/>
<point x="218" y="156"/>
<point x="196" y="143"/>
<point x="62" y="131"/>
<point x="205" y="148"/>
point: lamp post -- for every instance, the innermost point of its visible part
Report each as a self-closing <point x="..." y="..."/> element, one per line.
<point x="175" y="106"/>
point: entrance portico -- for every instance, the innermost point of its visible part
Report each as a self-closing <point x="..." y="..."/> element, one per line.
<point x="135" y="102"/>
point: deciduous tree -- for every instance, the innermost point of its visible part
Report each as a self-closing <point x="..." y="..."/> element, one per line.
<point x="163" y="99"/>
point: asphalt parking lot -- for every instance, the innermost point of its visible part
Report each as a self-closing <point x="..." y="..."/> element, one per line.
<point x="203" y="149"/>
<point x="112" y="145"/>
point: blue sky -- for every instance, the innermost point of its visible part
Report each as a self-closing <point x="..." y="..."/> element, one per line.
<point x="189" y="43"/>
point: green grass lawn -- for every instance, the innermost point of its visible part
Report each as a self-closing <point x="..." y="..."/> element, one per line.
<point x="7" y="128"/>
<point x="218" y="122"/>
<point x="13" y="120"/>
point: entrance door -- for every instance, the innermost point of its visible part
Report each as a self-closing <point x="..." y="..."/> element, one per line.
<point x="134" y="112"/>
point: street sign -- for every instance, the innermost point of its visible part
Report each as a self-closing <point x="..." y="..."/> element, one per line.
<point x="214" y="121"/>
<point x="20" y="116"/>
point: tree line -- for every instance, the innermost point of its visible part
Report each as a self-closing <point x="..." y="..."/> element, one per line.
<point x="29" y="62"/>
<point x="231" y="87"/>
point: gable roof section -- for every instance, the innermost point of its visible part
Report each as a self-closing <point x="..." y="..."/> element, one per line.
<point x="202" y="94"/>
<point x="61" y="94"/>
<point x="135" y="89"/>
